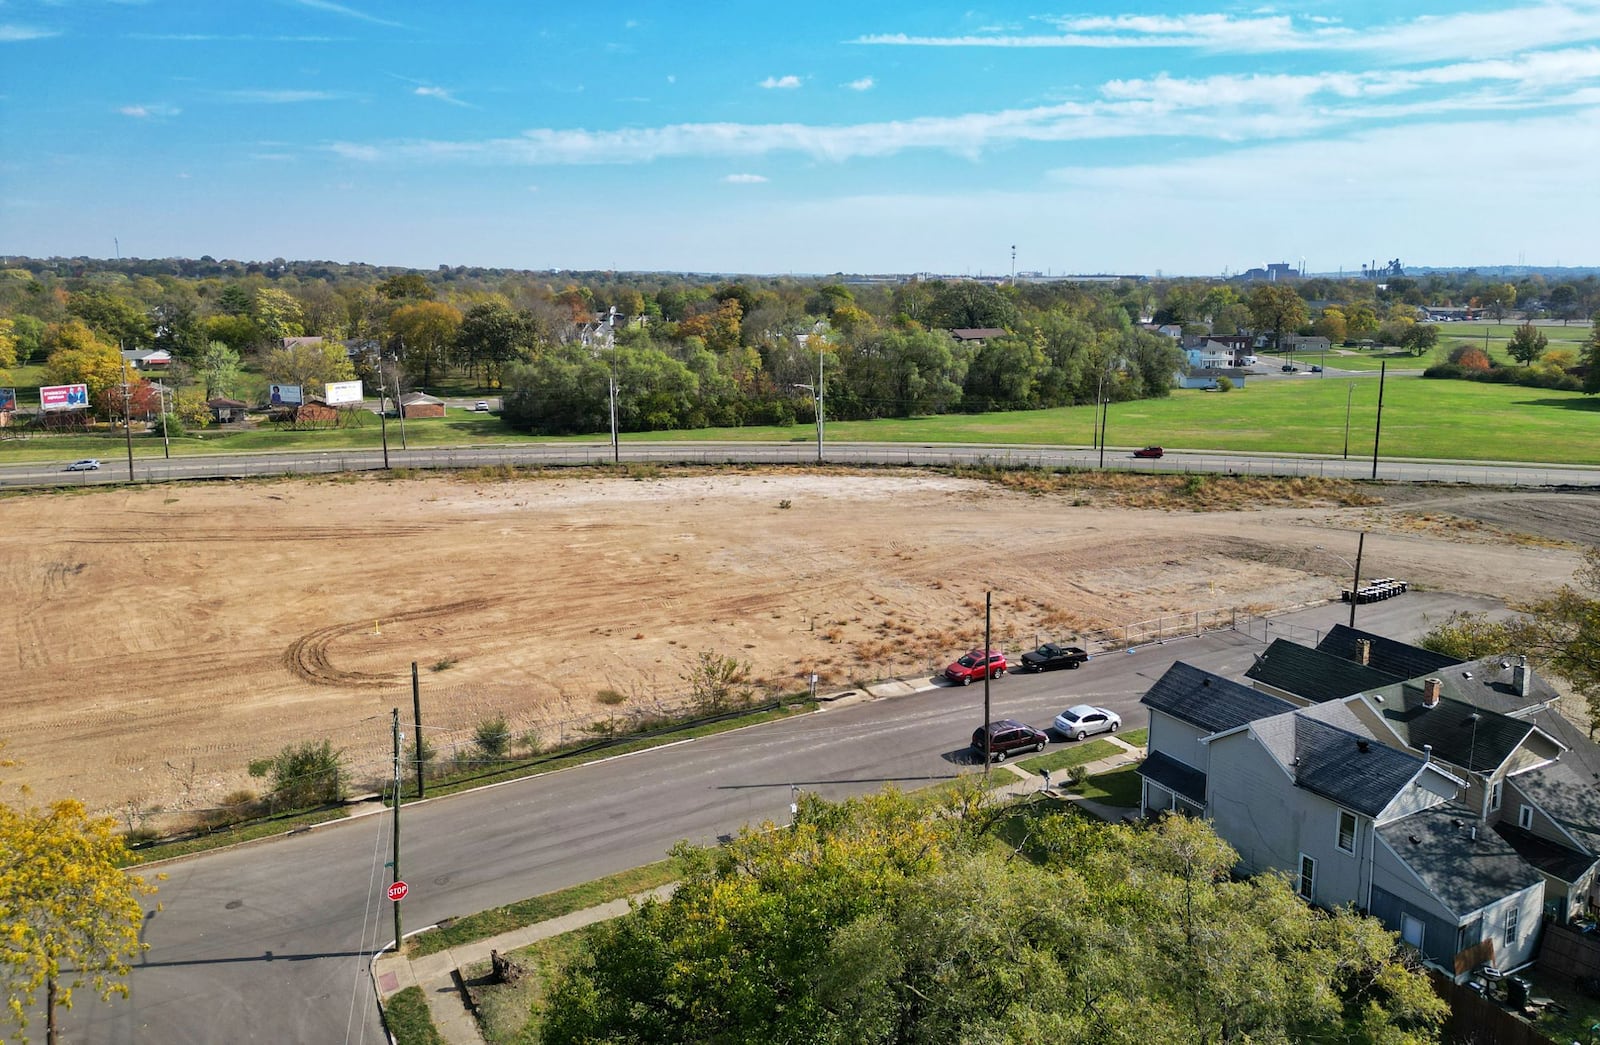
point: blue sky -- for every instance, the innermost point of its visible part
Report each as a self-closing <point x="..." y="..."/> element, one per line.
<point x="1187" y="138"/>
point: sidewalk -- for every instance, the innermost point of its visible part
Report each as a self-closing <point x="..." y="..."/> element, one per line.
<point x="1028" y="783"/>
<point x="392" y="973"/>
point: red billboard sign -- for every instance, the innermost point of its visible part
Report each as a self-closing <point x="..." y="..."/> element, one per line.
<point x="64" y="397"/>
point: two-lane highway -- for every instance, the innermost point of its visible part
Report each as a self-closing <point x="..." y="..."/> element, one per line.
<point x="269" y="942"/>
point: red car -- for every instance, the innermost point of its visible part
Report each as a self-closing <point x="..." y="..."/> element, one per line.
<point x="1149" y="451"/>
<point x="977" y="665"/>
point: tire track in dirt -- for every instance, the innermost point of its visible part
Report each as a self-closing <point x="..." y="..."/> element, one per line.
<point x="243" y="535"/>
<point x="307" y="656"/>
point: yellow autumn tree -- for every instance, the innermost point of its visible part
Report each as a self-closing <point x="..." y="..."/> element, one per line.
<point x="69" y="915"/>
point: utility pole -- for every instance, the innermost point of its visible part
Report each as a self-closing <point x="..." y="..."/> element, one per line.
<point x="400" y="407"/>
<point x="394" y="866"/>
<point x="611" y="386"/>
<point x="1348" y="396"/>
<point x="1105" y="413"/>
<point x="1377" y="425"/>
<point x="383" y="409"/>
<point x="1361" y="545"/>
<point x="819" y="403"/>
<point x="166" y="445"/>
<point x="416" y="724"/>
<point x="127" y="421"/>
<point x="988" y="736"/>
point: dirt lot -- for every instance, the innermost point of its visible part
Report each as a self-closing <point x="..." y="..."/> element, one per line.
<point x="161" y="638"/>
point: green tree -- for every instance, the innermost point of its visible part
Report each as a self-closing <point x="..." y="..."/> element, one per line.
<point x="308" y="365"/>
<point x="1564" y="302"/>
<point x="1559" y="633"/>
<point x="1527" y="344"/>
<point x="407" y="286"/>
<point x="278" y="314"/>
<point x="70" y="916"/>
<point x="220" y="369"/>
<point x="426" y="334"/>
<point x="1331" y="325"/>
<point x="303" y="775"/>
<point x="1277" y="308"/>
<point x="1361" y="322"/>
<point x="717" y="683"/>
<point x="1420" y="338"/>
<point x="1591" y="357"/>
<point x="966" y="304"/>
<point x="1500" y="298"/>
<point x="492" y="336"/>
<point x="114" y="318"/>
<point x="78" y="356"/>
<point x="8" y="347"/>
<point x="890" y="919"/>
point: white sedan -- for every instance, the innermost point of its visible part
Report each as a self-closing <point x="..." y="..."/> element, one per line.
<point x="1080" y="720"/>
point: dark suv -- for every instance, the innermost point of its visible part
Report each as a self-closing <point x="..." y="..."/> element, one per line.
<point x="1007" y="737"/>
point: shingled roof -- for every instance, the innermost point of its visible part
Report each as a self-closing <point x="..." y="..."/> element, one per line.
<point x="1209" y="701"/>
<point x="1397" y="659"/>
<point x="1467" y="874"/>
<point x="1359" y="774"/>
<point x="1463" y="735"/>
<point x="1174" y="776"/>
<point x="1312" y="674"/>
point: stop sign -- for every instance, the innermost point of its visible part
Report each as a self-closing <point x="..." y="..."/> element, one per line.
<point x="398" y="890"/>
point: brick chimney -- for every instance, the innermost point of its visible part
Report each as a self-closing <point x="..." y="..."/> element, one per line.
<point x="1364" y="652"/>
<point x="1430" y="692"/>
<point x="1522" y="678"/>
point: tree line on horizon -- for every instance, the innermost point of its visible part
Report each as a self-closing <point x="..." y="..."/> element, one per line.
<point x="684" y="351"/>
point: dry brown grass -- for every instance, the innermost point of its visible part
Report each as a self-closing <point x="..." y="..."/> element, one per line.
<point x="1208" y="493"/>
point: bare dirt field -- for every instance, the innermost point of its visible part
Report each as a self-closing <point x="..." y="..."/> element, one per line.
<point x="158" y="639"/>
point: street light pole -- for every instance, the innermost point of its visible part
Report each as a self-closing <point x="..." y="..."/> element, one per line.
<point x="166" y="444"/>
<point x="611" y="387"/>
<point x="383" y="411"/>
<point x="988" y="735"/>
<point x="127" y="421"/>
<point x="1377" y="425"/>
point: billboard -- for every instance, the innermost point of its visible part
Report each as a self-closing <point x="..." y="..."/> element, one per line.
<point x="8" y="400"/>
<point x="337" y="393"/>
<point x="284" y="395"/>
<point x="64" y="397"/>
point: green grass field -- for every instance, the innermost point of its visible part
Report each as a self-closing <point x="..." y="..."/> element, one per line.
<point x="1422" y="419"/>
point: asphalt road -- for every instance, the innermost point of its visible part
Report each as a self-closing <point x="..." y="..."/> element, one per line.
<point x="156" y="469"/>
<point x="270" y="942"/>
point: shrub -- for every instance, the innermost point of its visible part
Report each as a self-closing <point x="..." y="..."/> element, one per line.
<point x="1469" y="357"/>
<point x="1224" y="384"/>
<point x="303" y="775"/>
<point x="493" y="737"/>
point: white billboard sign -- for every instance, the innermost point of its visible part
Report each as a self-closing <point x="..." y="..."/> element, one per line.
<point x="284" y="395"/>
<point x="337" y="393"/>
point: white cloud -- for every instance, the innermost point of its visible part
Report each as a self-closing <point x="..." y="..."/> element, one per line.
<point x="11" y="34"/>
<point x="671" y="78"/>
<point x="745" y="179"/>
<point x="787" y="83"/>
<point x="144" y="112"/>
<point x="281" y="96"/>
<point x="347" y="12"/>
<point x="1428" y="37"/>
<point x="441" y="94"/>
<point x="866" y="83"/>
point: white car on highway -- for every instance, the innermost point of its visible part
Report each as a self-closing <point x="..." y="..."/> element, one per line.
<point x="1080" y="720"/>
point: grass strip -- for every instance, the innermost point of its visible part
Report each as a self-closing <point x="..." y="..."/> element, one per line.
<point x="541" y="908"/>
<point x="1075" y="755"/>
<point x="408" y="1019"/>
<point x="449" y="785"/>
<point x="226" y="836"/>
<point x="1136" y="737"/>
<point x="1120" y="788"/>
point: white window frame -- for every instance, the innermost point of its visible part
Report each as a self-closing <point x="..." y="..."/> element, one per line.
<point x="1513" y="916"/>
<point x="1355" y="827"/>
<point x="1306" y="883"/>
<point x="1495" y="795"/>
<point x="1525" y="817"/>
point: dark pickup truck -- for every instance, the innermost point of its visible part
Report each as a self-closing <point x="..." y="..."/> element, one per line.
<point x="1051" y="656"/>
